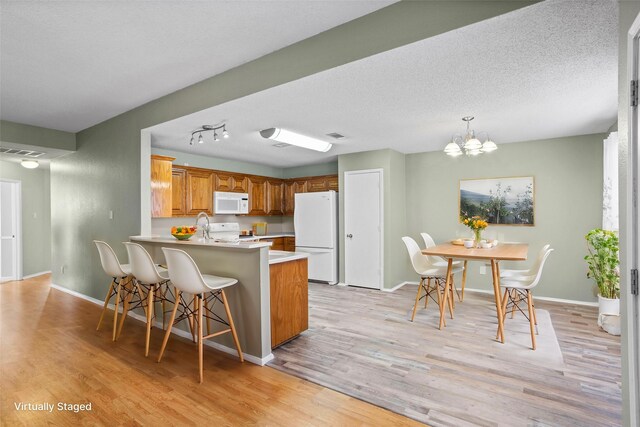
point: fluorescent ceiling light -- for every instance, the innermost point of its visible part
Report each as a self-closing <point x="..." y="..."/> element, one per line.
<point x="29" y="164"/>
<point x="296" y="139"/>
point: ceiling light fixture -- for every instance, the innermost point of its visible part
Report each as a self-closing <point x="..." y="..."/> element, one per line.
<point x="469" y="144"/>
<point x="286" y="136"/>
<point x="29" y="164"/>
<point x="207" y="128"/>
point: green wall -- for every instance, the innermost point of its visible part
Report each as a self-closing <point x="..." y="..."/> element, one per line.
<point x="209" y="162"/>
<point x="568" y="203"/>
<point x="330" y="168"/>
<point x="104" y="174"/>
<point x="19" y="133"/>
<point x="392" y="163"/>
<point x="36" y="201"/>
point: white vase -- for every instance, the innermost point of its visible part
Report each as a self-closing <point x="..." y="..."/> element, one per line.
<point x="607" y="306"/>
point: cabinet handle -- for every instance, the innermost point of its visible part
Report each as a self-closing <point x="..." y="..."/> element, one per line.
<point x="350" y="235"/>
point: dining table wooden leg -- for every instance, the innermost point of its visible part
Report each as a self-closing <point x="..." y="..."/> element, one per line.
<point x="446" y="292"/>
<point x="496" y="292"/>
<point x="464" y="280"/>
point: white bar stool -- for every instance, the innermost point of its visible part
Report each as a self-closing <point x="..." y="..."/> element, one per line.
<point x="120" y="275"/>
<point x="206" y="289"/>
<point x="146" y="275"/>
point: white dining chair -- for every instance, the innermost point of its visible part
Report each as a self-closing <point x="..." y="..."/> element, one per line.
<point x="428" y="273"/>
<point x="147" y="276"/>
<point x="207" y="290"/>
<point x="438" y="261"/>
<point x="120" y="274"/>
<point x="517" y="289"/>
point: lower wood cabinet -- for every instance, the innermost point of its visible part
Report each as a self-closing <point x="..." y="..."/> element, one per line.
<point x="289" y="300"/>
<point x="277" y="243"/>
<point x="290" y="244"/>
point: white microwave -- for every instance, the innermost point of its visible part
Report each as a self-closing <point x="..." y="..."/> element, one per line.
<point x="225" y="203"/>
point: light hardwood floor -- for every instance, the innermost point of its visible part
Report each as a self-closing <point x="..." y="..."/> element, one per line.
<point x="51" y="352"/>
<point x="361" y="343"/>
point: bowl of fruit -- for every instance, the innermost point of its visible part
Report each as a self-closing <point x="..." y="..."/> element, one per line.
<point x="183" y="232"/>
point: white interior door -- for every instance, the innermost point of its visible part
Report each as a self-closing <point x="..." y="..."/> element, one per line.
<point x="633" y="304"/>
<point x="10" y="262"/>
<point x="363" y="221"/>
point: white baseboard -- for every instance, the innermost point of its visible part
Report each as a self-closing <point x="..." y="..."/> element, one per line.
<point x="223" y="348"/>
<point x="30" y="276"/>
<point x="398" y="286"/>
<point x="341" y="284"/>
<point x="550" y="299"/>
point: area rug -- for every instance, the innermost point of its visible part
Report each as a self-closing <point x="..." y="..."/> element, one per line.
<point x="361" y="343"/>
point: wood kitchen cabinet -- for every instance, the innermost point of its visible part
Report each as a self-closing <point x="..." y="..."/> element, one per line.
<point x="257" y="195"/>
<point x="161" y="188"/>
<point x="199" y="191"/>
<point x="275" y="192"/>
<point x="235" y="183"/>
<point x="178" y="191"/>
<point x="290" y="244"/>
<point x="277" y="243"/>
<point x="317" y="184"/>
<point x="289" y="300"/>
<point x="332" y="182"/>
<point x="291" y="187"/>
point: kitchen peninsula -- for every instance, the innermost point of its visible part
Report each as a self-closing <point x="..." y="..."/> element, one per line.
<point x="251" y="299"/>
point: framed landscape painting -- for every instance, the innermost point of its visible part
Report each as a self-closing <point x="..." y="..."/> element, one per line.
<point x="500" y="201"/>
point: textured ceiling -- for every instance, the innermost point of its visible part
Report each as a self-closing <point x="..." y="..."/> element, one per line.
<point x="68" y="65"/>
<point x="545" y="71"/>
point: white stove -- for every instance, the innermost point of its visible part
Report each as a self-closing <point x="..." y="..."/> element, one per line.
<point x="226" y="232"/>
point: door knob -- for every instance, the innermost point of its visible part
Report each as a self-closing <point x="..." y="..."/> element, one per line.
<point x="350" y="235"/>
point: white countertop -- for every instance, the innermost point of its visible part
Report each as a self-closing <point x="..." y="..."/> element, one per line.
<point x="198" y="241"/>
<point x="276" y="257"/>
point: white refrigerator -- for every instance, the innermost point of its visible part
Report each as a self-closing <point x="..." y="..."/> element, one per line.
<point x="315" y="221"/>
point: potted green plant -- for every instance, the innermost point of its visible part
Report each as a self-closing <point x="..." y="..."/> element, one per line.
<point x="604" y="267"/>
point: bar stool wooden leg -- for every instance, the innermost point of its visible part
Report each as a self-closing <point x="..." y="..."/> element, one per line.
<point x="415" y="305"/>
<point x="232" y="326"/>
<point x="206" y="306"/>
<point x="125" y="307"/>
<point x="191" y="320"/>
<point x="152" y="290"/>
<point x="531" y="325"/>
<point x="516" y="297"/>
<point x="171" y="320"/>
<point x="199" y="320"/>
<point x="106" y="302"/>
<point x="115" y="311"/>
<point x="451" y="299"/>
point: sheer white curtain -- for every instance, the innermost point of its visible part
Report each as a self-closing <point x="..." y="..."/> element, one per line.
<point x="610" y="183"/>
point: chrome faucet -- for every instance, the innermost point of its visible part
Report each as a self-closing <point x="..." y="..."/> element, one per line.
<point x="205" y="232"/>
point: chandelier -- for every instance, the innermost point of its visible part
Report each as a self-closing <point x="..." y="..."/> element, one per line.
<point x="208" y="128"/>
<point x="469" y="144"/>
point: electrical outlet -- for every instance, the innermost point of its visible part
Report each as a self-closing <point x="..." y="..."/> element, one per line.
<point x="483" y="269"/>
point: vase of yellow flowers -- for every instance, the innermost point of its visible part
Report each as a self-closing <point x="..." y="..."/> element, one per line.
<point x="476" y="224"/>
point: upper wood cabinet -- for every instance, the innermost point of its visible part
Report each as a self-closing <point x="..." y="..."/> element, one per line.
<point x="161" y="195"/>
<point x="236" y="183"/>
<point x="317" y="184"/>
<point x="199" y="192"/>
<point x="257" y="195"/>
<point x="291" y="187"/>
<point x="332" y="182"/>
<point x="275" y="192"/>
<point x="178" y="191"/>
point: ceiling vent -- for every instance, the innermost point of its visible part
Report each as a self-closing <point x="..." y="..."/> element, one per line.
<point x="335" y="135"/>
<point x="281" y="145"/>
<point x="22" y="153"/>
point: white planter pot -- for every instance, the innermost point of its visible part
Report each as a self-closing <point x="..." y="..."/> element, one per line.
<point x="609" y="314"/>
<point x="609" y="306"/>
